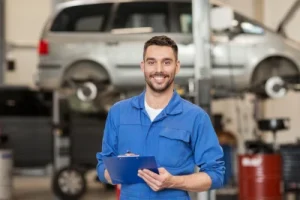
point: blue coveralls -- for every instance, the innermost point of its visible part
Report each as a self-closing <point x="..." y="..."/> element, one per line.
<point x="180" y="137"/>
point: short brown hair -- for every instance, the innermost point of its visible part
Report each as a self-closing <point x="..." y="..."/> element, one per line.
<point x="161" y="41"/>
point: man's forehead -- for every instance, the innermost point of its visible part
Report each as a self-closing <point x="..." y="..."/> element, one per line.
<point x="159" y="53"/>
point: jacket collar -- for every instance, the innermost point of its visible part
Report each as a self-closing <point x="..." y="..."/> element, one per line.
<point x="174" y="106"/>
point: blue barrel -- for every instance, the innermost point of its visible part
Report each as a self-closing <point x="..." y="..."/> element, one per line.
<point x="228" y="155"/>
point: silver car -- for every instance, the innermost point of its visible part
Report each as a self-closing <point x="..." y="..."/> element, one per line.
<point x="94" y="48"/>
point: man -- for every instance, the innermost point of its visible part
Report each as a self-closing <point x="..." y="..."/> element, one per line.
<point x="160" y="123"/>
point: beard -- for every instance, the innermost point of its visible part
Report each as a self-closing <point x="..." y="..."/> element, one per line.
<point x="160" y="89"/>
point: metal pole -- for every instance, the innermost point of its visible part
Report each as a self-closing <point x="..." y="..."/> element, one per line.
<point x="2" y="41"/>
<point x="61" y="140"/>
<point x="201" y="36"/>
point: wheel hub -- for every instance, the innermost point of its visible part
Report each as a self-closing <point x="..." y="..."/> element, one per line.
<point x="87" y="92"/>
<point x="275" y="88"/>
<point x="70" y="182"/>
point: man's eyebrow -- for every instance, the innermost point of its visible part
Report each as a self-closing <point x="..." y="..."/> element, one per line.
<point x="164" y="59"/>
<point x="150" y="58"/>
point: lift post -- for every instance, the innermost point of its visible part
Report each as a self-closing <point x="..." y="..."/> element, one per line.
<point x="61" y="140"/>
<point x="202" y="67"/>
<point x="2" y="40"/>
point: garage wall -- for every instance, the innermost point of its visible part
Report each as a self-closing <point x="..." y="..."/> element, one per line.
<point x="275" y="11"/>
<point x="238" y="117"/>
<point x="288" y="107"/>
<point x="23" y="27"/>
<point x="242" y="6"/>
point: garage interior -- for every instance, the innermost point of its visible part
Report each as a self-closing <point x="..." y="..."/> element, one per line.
<point x="44" y="135"/>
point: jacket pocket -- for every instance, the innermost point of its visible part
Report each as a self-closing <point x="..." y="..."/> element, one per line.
<point x="174" y="147"/>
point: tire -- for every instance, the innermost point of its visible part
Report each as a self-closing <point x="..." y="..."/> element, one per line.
<point x="63" y="189"/>
<point x="99" y="102"/>
<point x="268" y="69"/>
<point x="89" y="74"/>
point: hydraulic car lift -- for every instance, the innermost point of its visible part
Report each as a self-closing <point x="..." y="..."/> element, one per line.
<point x="61" y="150"/>
<point x="202" y="89"/>
<point x="68" y="182"/>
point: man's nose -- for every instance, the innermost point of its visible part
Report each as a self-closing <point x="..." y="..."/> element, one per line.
<point x="159" y="67"/>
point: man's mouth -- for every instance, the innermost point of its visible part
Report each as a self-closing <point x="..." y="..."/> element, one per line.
<point x="159" y="78"/>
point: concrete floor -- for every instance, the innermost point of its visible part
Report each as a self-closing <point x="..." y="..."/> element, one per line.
<point x="33" y="187"/>
<point x="38" y="188"/>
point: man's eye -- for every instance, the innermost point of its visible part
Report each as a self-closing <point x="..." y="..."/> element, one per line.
<point x="167" y="62"/>
<point x="150" y="62"/>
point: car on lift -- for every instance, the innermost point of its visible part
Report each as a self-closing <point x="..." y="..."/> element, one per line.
<point x="93" y="48"/>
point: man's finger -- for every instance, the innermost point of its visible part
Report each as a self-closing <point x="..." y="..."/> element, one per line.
<point x="161" y="169"/>
<point x="149" y="178"/>
<point x="152" y="185"/>
<point x="152" y="174"/>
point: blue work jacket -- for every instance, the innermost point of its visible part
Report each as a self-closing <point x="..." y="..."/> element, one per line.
<point x="180" y="137"/>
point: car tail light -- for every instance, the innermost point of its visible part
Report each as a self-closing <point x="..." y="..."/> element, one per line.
<point x="43" y="47"/>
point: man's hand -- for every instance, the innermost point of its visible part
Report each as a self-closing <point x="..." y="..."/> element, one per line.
<point x="107" y="176"/>
<point x="157" y="181"/>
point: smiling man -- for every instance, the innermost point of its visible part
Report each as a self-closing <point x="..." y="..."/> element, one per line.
<point x="160" y="123"/>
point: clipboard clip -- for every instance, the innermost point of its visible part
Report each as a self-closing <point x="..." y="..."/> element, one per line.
<point x="128" y="154"/>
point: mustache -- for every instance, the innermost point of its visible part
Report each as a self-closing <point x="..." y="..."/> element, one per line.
<point x="159" y="74"/>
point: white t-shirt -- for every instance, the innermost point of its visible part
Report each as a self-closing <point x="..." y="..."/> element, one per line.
<point x="151" y="111"/>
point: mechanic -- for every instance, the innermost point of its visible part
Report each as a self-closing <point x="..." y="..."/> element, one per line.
<point x="160" y="123"/>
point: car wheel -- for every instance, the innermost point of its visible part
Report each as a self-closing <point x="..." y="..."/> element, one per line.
<point x="267" y="80"/>
<point x="275" y="87"/>
<point x="69" y="184"/>
<point x="89" y="88"/>
<point x="93" y="97"/>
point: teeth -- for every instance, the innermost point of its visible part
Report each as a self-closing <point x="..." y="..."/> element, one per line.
<point x="158" y="79"/>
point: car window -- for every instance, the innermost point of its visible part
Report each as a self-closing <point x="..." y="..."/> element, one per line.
<point x="242" y="25"/>
<point x="83" y="18"/>
<point x="141" y="17"/>
<point x="246" y="25"/>
<point x="184" y="11"/>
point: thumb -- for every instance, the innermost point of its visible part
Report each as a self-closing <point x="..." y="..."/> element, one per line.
<point x="161" y="170"/>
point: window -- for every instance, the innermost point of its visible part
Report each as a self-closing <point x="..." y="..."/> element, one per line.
<point x="84" y="18"/>
<point x="247" y="26"/>
<point x="250" y="28"/>
<point x="141" y="17"/>
<point x="185" y="17"/>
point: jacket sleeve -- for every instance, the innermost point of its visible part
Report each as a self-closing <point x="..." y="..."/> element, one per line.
<point x="109" y="142"/>
<point x="208" y="154"/>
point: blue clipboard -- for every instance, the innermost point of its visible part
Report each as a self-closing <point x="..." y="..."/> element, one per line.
<point x="124" y="170"/>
